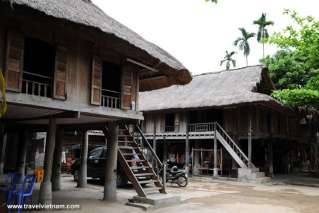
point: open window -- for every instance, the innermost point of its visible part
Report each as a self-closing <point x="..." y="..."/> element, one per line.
<point x="111" y="85"/>
<point x="38" y="68"/>
<point x="169" y="122"/>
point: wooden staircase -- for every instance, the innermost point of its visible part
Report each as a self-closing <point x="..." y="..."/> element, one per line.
<point x="137" y="169"/>
<point x="247" y="171"/>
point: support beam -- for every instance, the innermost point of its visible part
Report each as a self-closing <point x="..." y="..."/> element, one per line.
<point x="82" y="180"/>
<point x="165" y="155"/>
<point x="24" y="138"/>
<point x="154" y="141"/>
<point x="56" y="168"/>
<point x="250" y="138"/>
<point x="111" y="163"/>
<point x="215" y="156"/>
<point x="187" y="148"/>
<point x="3" y="147"/>
<point x="45" y="196"/>
<point x="270" y="159"/>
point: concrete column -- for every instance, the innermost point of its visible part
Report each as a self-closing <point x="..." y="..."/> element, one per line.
<point x="24" y="138"/>
<point x="45" y="196"/>
<point x="3" y="147"/>
<point x="82" y="181"/>
<point x="56" y="168"/>
<point x="187" y="149"/>
<point x="111" y="163"/>
<point x="215" y="156"/>
<point x="250" y="139"/>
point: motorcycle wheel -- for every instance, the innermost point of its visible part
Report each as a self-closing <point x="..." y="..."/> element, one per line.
<point x="182" y="181"/>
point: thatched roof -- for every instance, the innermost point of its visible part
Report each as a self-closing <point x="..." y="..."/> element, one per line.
<point x="215" y="89"/>
<point x="84" y="12"/>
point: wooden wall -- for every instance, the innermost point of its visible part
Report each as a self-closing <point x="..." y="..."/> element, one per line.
<point x="265" y="122"/>
<point x="80" y="50"/>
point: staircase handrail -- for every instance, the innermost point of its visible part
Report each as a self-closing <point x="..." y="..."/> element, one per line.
<point x="218" y="127"/>
<point x="158" y="161"/>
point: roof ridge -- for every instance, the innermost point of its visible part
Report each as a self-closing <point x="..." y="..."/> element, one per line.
<point x="231" y="70"/>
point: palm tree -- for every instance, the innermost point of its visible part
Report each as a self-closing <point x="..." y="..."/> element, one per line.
<point x="262" y="34"/>
<point x="243" y="42"/>
<point x="228" y="59"/>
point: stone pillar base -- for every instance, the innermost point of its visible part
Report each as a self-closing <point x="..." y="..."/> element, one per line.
<point x="215" y="172"/>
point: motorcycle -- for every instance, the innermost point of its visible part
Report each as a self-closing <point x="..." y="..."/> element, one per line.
<point x="175" y="175"/>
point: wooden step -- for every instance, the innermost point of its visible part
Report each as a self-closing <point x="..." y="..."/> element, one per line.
<point x="128" y="147"/>
<point x="131" y="154"/>
<point x="143" y="174"/>
<point x="139" y="167"/>
<point x="136" y="161"/>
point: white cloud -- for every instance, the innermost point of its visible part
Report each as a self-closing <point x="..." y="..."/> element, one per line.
<point x="198" y="33"/>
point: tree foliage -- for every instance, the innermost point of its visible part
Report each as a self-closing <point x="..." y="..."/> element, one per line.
<point x="262" y="34"/>
<point x="243" y="42"/>
<point x="295" y="67"/>
<point x="228" y="59"/>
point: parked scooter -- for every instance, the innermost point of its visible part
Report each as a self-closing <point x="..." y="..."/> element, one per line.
<point x="175" y="175"/>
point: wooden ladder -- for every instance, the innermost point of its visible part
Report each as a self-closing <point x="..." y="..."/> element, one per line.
<point x="137" y="169"/>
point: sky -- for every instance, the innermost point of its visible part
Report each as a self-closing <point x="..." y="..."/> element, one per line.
<point x="198" y="33"/>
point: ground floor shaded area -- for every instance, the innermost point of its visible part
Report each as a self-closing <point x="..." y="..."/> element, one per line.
<point x="202" y="195"/>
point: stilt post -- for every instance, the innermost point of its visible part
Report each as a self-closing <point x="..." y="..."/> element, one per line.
<point x="111" y="164"/>
<point x="56" y="168"/>
<point x="45" y="196"/>
<point x="215" y="151"/>
<point x="82" y="179"/>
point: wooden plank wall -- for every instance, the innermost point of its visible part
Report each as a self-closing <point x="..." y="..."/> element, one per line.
<point x="80" y="51"/>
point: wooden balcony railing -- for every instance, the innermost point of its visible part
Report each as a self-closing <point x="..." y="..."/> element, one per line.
<point x="169" y="128"/>
<point x="111" y="99"/>
<point x="201" y="127"/>
<point x="40" y="85"/>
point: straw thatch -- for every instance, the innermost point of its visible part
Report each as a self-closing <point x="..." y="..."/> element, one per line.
<point x="84" y="12"/>
<point x="212" y="90"/>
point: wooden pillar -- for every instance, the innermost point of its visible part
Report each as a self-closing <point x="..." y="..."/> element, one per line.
<point x="250" y="138"/>
<point x="56" y="168"/>
<point x="165" y="155"/>
<point x="82" y="180"/>
<point x="215" y="155"/>
<point x="45" y="196"/>
<point x="3" y="147"/>
<point x="270" y="159"/>
<point x="187" y="149"/>
<point x="111" y="163"/>
<point x="154" y="141"/>
<point x="24" y="138"/>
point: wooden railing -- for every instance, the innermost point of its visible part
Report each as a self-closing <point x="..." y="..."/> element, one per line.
<point x="201" y="127"/>
<point x="169" y="128"/>
<point x="111" y="99"/>
<point x="40" y="86"/>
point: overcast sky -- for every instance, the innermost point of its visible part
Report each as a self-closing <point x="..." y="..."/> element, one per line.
<point x="198" y="33"/>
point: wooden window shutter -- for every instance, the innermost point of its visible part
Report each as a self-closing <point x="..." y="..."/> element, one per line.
<point x="126" y="89"/>
<point x="60" y="73"/>
<point x="14" y="61"/>
<point x="96" y="81"/>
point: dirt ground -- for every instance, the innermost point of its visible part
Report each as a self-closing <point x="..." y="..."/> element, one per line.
<point x="201" y="195"/>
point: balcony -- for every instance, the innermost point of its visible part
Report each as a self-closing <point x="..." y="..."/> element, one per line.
<point x="169" y="128"/>
<point x="201" y="127"/>
<point x="111" y="99"/>
<point x="36" y="84"/>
